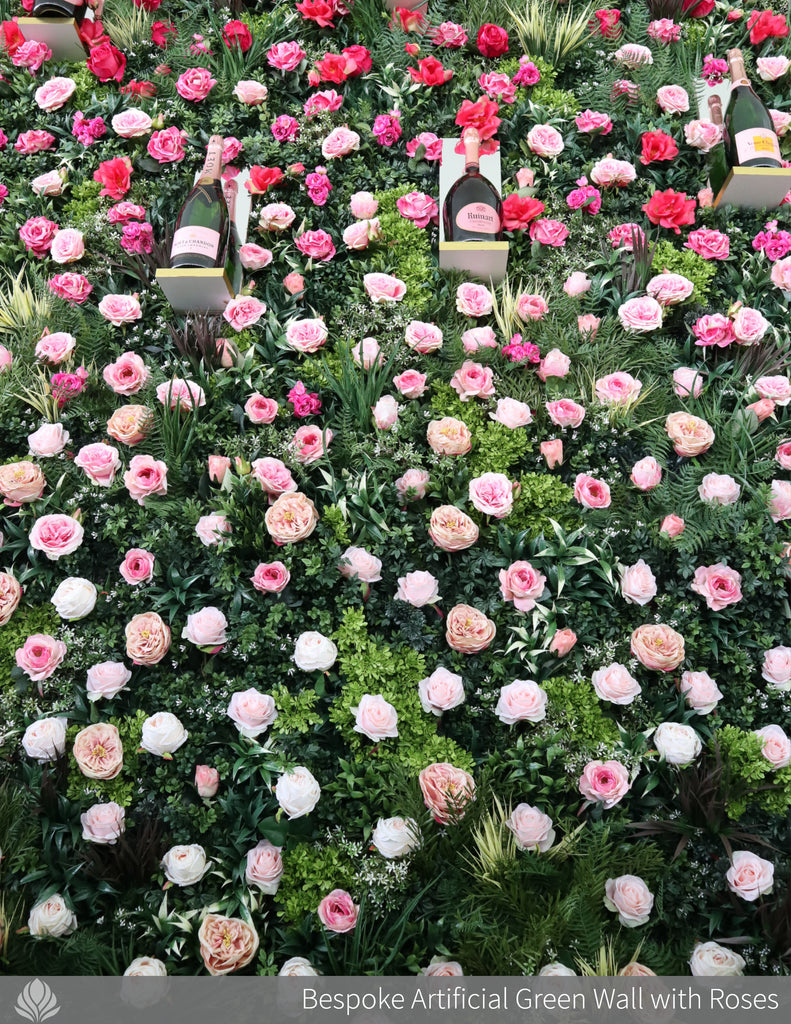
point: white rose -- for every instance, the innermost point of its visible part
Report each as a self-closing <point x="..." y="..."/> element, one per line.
<point x="185" y="865"/>
<point x="676" y="743"/>
<point x="297" y="792"/>
<point x="314" y="652"/>
<point x="297" y="967"/>
<point x="75" y="598"/>
<point x="396" y="837"/>
<point x="556" y="970"/>
<point x="52" y="917"/>
<point x="146" y="967"/>
<point x="711" y="960"/>
<point x="162" y="734"/>
<point x="45" y="739"/>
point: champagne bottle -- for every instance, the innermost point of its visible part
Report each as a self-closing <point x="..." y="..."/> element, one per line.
<point x="203" y="225"/>
<point x="473" y="210"/>
<point x="718" y="164"/>
<point x="59" y="9"/>
<point x="750" y="138"/>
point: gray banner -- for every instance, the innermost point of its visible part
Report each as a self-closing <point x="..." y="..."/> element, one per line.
<point x="395" y="1000"/>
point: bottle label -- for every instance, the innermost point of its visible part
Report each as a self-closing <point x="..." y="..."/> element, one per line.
<point x="478" y="217"/>
<point x="196" y="242"/>
<point x="756" y="142"/>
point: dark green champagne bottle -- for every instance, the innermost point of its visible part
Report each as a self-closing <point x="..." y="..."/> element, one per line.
<point x="203" y="225"/>
<point x="473" y="210"/>
<point x="59" y="9"/>
<point x="750" y="137"/>
<point x="718" y="164"/>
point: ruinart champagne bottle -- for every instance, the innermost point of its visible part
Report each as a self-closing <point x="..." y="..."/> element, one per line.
<point x="750" y="138"/>
<point x="473" y="210"/>
<point x="202" y="228"/>
<point x="59" y="9"/>
<point x="718" y="164"/>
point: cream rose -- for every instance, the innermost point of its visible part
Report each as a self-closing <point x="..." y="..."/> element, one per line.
<point x="314" y="652"/>
<point x="45" y="740"/>
<point x="163" y="734"/>
<point x="185" y="865"/>
<point x="52" y="918"/>
<point x="75" y="598"/>
<point x="146" y="967"/>
<point x="396" y="837"/>
<point x="297" y="792"/>
<point x="677" y="743"/>
<point x="711" y="960"/>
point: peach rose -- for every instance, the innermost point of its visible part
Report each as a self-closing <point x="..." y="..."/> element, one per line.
<point x="690" y="435"/>
<point x="616" y="684"/>
<point x="227" y="944"/>
<point x="451" y="529"/>
<point x="672" y="526"/>
<point x="98" y="751"/>
<point x="523" y="700"/>
<point x="605" y="782"/>
<point x="441" y="691"/>
<point x="291" y="518"/>
<point x="522" y="584"/>
<point x="147" y="639"/>
<point x="207" y="781"/>
<point x="638" y="583"/>
<point x="449" y="436"/>
<point x="10" y="596"/>
<point x="56" y="535"/>
<point x="21" y="482"/>
<point x="562" y="642"/>
<point x="130" y="424"/>
<point x="630" y="898"/>
<point x="418" y="588"/>
<point x="375" y="718"/>
<point x="446" y="791"/>
<point x="39" y="656"/>
<point x="750" y="876"/>
<point x="718" y="584"/>
<point x="658" y="647"/>
<point x="468" y="630"/>
<point x="532" y="828"/>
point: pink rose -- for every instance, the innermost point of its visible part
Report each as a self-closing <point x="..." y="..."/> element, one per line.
<point x="107" y="679"/>
<point x="318" y="245"/>
<point x="472" y="380"/>
<point x="195" y="84"/>
<point x="418" y="588"/>
<point x="616" y="684"/>
<point x="719" y="489"/>
<point x="708" y="243"/>
<point x="260" y="409"/>
<point x="274" y="476"/>
<point x="363" y="205"/>
<point x="658" y="647"/>
<point x="285" y="56"/>
<point x="777" y="388"/>
<point x="251" y="712"/>
<point x="419" y="208"/>
<point x="55" y="348"/>
<point x="132" y="124"/>
<point x="167" y="146"/>
<point x="184" y="394"/>
<point x="554" y="364"/>
<point x="713" y="329"/>
<point x="37" y="234"/>
<point x="441" y="691"/>
<point x="73" y="288"/>
<point x="577" y="283"/>
<point x="552" y="451"/>
<point x="56" y="535"/>
<point x="375" y="718"/>
<point x="250" y="92"/>
<point x="719" y="585"/>
<point x="670" y="289"/>
<point x="40" y="656"/>
<point x="50" y="439"/>
<point x="367" y="353"/>
<point x="565" y="413"/>
<point x="339" y="143"/>
<point x="781" y="274"/>
<point x="410" y="383"/>
<point x="127" y="375"/>
<point x="777" y="668"/>
<point x="523" y="700"/>
<point x="212" y="530"/>
<point x="264" y="867"/>
<point x="630" y="898"/>
<point x="638" y="583"/>
<point x="254" y="257"/>
<point x="207" y="781"/>
<point x="446" y="791"/>
<point x="605" y="782"/>
<point x="672" y="99"/>
<point x="592" y="122"/>
<point x="703" y="135"/>
<point x="103" y="823"/>
<point x="775" y="746"/>
<point x="640" y="315"/>
<point x="413" y="485"/>
<point x="780" y="502"/>
<point x="532" y="828"/>
<point x="522" y="584"/>
<point x="687" y="382"/>
<point x="34" y="141"/>
<point x="338" y="912"/>
<point x="67" y="246"/>
<point x="700" y="691"/>
<point x="590" y="492"/>
<point x="672" y="526"/>
<point x="137" y="566"/>
<point x="749" y="326"/>
<point x="306" y="336"/>
<point x="492" y="494"/>
<point x="100" y="462"/>
<point x="772" y="68"/>
<point x="552" y="233"/>
<point x="588" y="324"/>
<point x="646" y="474"/>
<point x="357" y="236"/>
<point x="48" y="184"/>
<point x="749" y="875"/>
<point x="618" y="388"/>
<point x="423" y="338"/>
<point x="55" y="93"/>
<point x="544" y="140"/>
<point x="474" y="300"/>
<point x="511" y="413"/>
<point x="384" y="288"/>
<point x="276" y="217"/>
<point x="120" y="309"/>
<point x="783" y="454"/>
<point x="310" y="443"/>
<point x="270" y="577"/>
<point x="244" y="311"/>
<point x="385" y="413"/>
<point x="357" y="563"/>
<point x="611" y="173"/>
<point x="146" y="477"/>
<point x="478" y="337"/>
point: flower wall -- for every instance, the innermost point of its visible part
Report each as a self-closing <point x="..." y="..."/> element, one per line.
<point x="392" y="621"/>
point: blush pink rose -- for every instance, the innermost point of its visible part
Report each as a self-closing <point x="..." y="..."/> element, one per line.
<point x="410" y="383"/>
<point x="749" y="875"/>
<point x="775" y="746"/>
<point x="244" y="311"/>
<point x="375" y="718"/>
<point x="590" y="492"/>
<point x="252" y="712"/>
<point x="672" y="526"/>
<point x="638" y="583"/>
<point x="127" y="375"/>
<point x="618" y="388"/>
<point x="646" y="474"/>
<point x="338" y="912"/>
<point x="276" y="217"/>
<point x="532" y="828"/>
<point x="367" y="353"/>
<point x="146" y="477"/>
<point x="137" y="566"/>
<point x="472" y="380"/>
<point x="264" y="867"/>
<point x="310" y="443"/>
<point x="777" y="668"/>
<point x="776" y="388"/>
<point x="687" y="382"/>
<point x="132" y="124"/>
<point x="565" y="413"/>
<point x="103" y="823"/>
<point x="120" y="309"/>
<point x="523" y="700"/>
<point x="708" y="243"/>
<point x="718" y="584"/>
<point x="672" y="99"/>
<point x="749" y="326"/>
<point x="531" y="307"/>
<point x="107" y="679"/>
<point x="446" y="791"/>
<point x="544" y="140"/>
<point x="423" y="338"/>
<point x="441" y="691"/>
<point x="780" y="502"/>
<point x="100" y="463"/>
<point x="270" y="577"/>
<point x="56" y="535"/>
<point x="67" y="246"/>
<point x="50" y="439"/>
<point x="384" y="288"/>
<point x="630" y="898"/>
<point x="719" y="489"/>
<point x="418" y="589"/>
<point x="260" y="409"/>
<point x="55" y="348"/>
<point x="250" y="92"/>
<point x="616" y="684"/>
<point x="357" y="563"/>
<point x="474" y="300"/>
<point x="363" y="205"/>
<point x="55" y="93"/>
<point x="640" y="315"/>
<point x="212" y="530"/>
<point x="385" y="413"/>
<point x="307" y="335"/>
<point x="413" y="485"/>
<point x="554" y="364"/>
<point x="511" y="413"/>
<point x="254" y="257"/>
<point x="274" y="476"/>
<point x="39" y="656"/>
<point x="207" y="781"/>
<point x="522" y="584"/>
<point x="492" y="494"/>
<point x="700" y="691"/>
<point x="478" y="337"/>
<point x="605" y="782"/>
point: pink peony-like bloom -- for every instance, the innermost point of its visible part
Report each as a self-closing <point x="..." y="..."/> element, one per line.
<point x="590" y="492"/>
<point x="56" y="535"/>
<point x="55" y="348"/>
<point x="468" y="630"/>
<point x="274" y="476"/>
<point x="98" y="751"/>
<point x="474" y="300"/>
<point x="612" y="173"/>
<point x="708" y="243"/>
<point x="213" y="530"/>
<point x="39" y="656"/>
<point x="565" y="413"/>
<point x="640" y="315"/>
<point x="418" y="207"/>
<point x="690" y="435"/>
<point x="270" y="577"/>
<point x="451" y="529"/>
<point x="749" y="326"/>
<point x="472" y="380"/>
<point x="137" y="566"/>
<point x="260" y="409"/>
<point x="147" y="639"/>
<point x="145" y="478"/>
<point x="718" y="584"/>
<point x="285" y="56"/>
<point x="552" y="233"/>
<point x="449" y="436"/>
<point x="492" y="494"/>
<point x="338" y="912"/>
<point x="658" y="647"/>
<point x="167" y="146"/>
<point x="522" y="584"/>
<point x="291" y="518"/>
<point x="605" y="782"/>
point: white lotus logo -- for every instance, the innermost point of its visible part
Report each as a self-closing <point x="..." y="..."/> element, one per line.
<point x="37" y="1002"/>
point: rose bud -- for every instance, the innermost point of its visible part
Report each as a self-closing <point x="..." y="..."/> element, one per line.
<point x="218" y="467"/>
<point x="562" y="642"/>
<point x="207" y="781"/>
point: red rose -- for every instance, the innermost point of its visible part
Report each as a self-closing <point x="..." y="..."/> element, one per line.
<point x="670" y="209"/>
<point x="766" y="24"/>
<point x="145" y="89"/>
<point x="407" y="20"/>
<point x="657" y="146"/>
<point x="148" y="5"/>
<point x="92" y="33"/>
<point x="114" y="176"/>
<point x="608" y="18"/>
<point x="334" y="67"/>
<point x="161" y="31"/>
<point x="492" y="40"/>
<point x="12" y="38"/>
<point x="237" y="34"/>
<point x="262" y="178"/>
<point x="319" y="11"/>
<point x="698" y="8"/>
<point x="107" y="62"/>
<point x="518" y="211"/>
<point x="430" y="71"/>
<point x="361" y="57"/>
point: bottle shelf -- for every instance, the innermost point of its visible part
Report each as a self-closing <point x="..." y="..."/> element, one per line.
<point x="209" y="290"/>
<point x="61" y="35"/>
<point x="757" y="188"/>
<point x="487" y="261"/>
